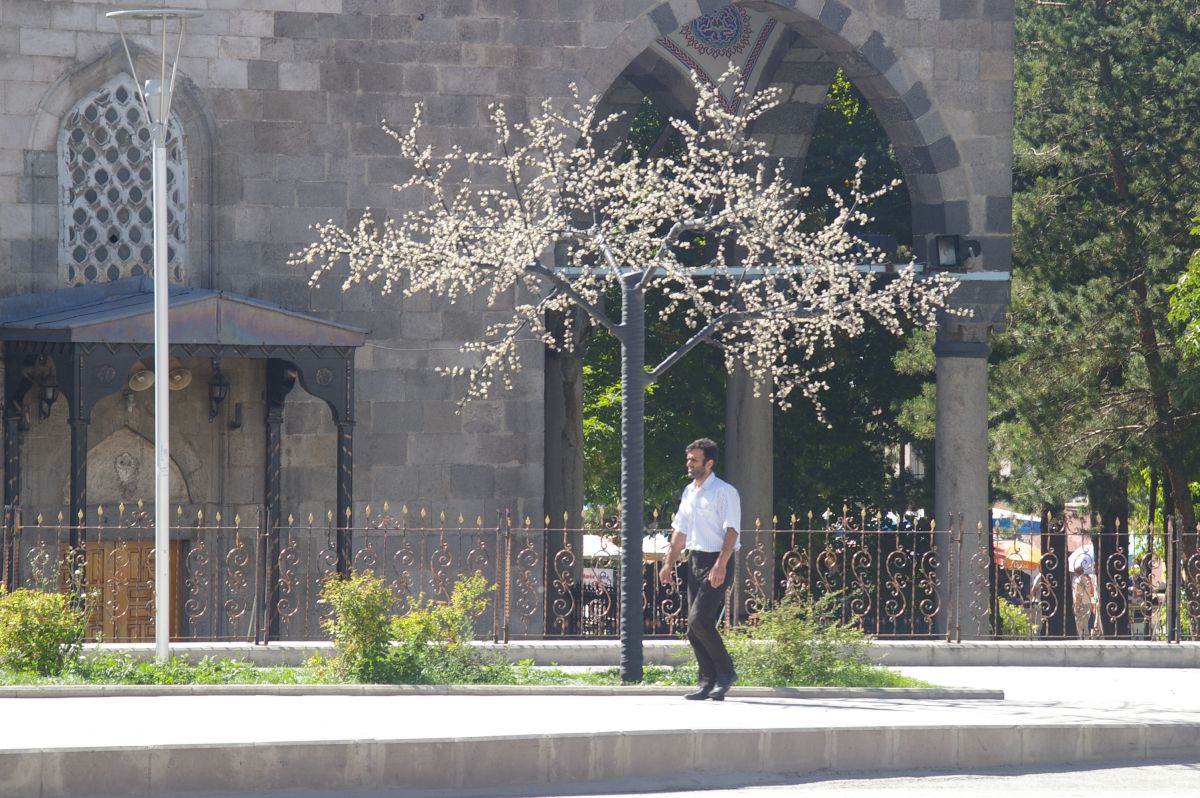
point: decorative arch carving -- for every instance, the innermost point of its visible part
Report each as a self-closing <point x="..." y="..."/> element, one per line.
<point x="197" y="131"/>
<point x="849" y="38"/>
<point x="121" y="469"/>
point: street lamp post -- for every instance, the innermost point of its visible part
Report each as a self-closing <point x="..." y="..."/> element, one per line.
<point x="155" y="96"/>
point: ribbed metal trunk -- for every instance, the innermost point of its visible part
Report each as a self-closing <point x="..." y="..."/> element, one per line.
<point x="633" y="427"/>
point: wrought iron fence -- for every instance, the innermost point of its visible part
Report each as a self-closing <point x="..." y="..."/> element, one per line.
<point x="241" y="576"/>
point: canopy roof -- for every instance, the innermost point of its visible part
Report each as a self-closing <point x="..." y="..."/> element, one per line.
<point x="123" y="312"/>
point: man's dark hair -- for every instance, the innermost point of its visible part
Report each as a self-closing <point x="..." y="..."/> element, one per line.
<point x="705" y="445"/>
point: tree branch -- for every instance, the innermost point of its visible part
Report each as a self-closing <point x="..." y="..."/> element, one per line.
<point x="702" y="335"/>
<point x="707" y="331"/>
<point x="565" y="286"/>
<point x="673" y="234"/>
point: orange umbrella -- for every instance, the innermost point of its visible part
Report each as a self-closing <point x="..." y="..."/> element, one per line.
<point x="1017" y="555"/>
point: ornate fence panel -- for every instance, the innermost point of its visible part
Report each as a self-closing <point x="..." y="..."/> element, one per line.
<point x="892" y="576"/>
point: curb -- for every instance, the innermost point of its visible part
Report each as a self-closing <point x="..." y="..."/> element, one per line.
<point x="148" y="691"/>
<point x="468" y="763"/>
<point x="890" y="653"/>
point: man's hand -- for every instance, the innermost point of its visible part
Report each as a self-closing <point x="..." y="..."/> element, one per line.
<point x="716" y="575"/>
<point x="666" y="573"/>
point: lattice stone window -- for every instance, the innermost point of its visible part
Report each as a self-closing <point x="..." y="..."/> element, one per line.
<point x="105" y="189"/>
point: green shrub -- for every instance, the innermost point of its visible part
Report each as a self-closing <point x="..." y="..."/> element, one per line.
<point x="1014" y="620"/>
<point x="431" y="644"/>
<point x="40" y="632"/>
<point x="800" y="642"/>
<point x="360" y="624"/>
<point x="433" y="640"/>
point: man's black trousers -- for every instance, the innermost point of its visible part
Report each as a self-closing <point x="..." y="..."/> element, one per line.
<point x="706" y="605"/>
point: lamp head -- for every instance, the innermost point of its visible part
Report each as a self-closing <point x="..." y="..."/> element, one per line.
<point x="158" y="101"/>
<point x="157" y="93"/>
<point x="946" y="251"/>
<point x="154" y="13"/>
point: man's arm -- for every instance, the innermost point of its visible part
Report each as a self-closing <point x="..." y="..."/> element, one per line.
<point x="667" y="571"/>
<point x="716" y="576"/>
<point x="731" y="514"/>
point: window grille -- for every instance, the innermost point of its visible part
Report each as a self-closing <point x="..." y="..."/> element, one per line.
<point x="105" y="168"/>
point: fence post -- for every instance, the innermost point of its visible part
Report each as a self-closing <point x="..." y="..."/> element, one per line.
<point x="954" y="626"/>
<point x="7" y="572"/>
<point x="993" y="574"/>
<point x="263" y="589"/>
<point x="507" y="537"/>
<point x="1173" y="580"/>
<point x="1054" y="583"/>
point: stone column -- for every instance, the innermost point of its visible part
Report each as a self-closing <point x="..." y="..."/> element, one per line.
<point x="749" y="467"/>
<point x="564" y="474"/>
<point x="960" y="484"/>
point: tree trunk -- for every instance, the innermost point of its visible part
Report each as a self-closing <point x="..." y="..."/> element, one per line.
<point x="633" y="475"/>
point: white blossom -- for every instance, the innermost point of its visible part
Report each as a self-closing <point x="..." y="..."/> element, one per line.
<point x="772" y="288"/>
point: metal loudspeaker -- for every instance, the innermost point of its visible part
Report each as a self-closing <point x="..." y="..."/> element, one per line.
<point x="179" y="378"/>
<point x="141" y="379"/>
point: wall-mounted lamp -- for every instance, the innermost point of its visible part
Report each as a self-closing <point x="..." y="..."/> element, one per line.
<point x="946" y="249"/>
<point x="218" y="390"/>
<point x="47" y="388"/>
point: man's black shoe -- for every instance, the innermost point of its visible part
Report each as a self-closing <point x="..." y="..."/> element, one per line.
<point x="723" y="685"/>
<point x="700" y="694"/>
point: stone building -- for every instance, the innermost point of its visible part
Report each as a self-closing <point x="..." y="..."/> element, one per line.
<point x="277" y="126"/>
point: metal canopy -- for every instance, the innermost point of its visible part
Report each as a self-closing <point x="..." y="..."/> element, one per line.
<point x="92" y="335"/>
<point x="122" y="312"/>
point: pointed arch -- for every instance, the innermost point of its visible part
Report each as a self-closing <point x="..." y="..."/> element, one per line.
<point x="197" y="134"/>
<point x="850" y="40"/>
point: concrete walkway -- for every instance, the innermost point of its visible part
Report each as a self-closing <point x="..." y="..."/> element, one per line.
<point x="179" y="744"/>
<point x="893" y="653"/>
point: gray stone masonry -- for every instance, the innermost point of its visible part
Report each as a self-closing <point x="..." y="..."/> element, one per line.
<point x="281" y="102"/>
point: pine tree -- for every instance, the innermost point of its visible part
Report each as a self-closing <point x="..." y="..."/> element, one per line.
<point x="1108" y="172"/>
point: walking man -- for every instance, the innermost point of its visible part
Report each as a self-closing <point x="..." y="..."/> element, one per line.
<point x="708" y="524"/>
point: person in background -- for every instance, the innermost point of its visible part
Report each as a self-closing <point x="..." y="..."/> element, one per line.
<point x="1082" y="567"/>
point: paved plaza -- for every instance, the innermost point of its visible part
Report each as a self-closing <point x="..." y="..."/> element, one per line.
<point x="198" y="744"/>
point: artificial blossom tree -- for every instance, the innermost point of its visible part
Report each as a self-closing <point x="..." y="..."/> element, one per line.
<point x="717" y="229"/>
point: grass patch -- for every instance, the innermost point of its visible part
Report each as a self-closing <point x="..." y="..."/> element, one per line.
<point x="798" y="643"/>
<point x="106" y="668"/>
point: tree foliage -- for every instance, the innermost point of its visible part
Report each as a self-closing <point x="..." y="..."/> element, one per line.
<point x="770" y="293"/>
<point x="883" y="398"/>
<point x="40" y="632"/>
<point x="1107" y="162"/>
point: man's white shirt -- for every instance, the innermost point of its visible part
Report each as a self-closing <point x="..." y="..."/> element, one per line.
<point x="705" y="513"/>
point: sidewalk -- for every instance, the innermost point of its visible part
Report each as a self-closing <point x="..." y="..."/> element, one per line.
<point x="176" y="744"/>
<point x="893" y="653"/>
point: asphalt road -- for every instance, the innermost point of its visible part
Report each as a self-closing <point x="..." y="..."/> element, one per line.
<point x="1146" y="778"/>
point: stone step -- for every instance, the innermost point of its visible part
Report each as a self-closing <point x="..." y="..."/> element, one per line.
<point x="565" y="758"/>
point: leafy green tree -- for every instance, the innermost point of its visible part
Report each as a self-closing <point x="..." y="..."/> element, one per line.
<point x="1107" y="162"/>
<point x="687" y="403"/>
<point x="1185" y="304"/>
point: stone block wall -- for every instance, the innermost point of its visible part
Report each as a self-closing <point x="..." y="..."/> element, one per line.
<point x="281" y="103"/>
